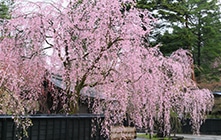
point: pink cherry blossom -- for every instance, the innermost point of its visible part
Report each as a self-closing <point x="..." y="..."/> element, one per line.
<point x="99" y="45"/>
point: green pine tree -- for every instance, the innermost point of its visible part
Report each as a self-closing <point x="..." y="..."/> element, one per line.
<point x="189" y="24"/>
<point x="4" y="9"/>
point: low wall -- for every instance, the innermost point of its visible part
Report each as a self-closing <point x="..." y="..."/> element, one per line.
<point x="54" y="127"/>
<point x="209" y="127"/>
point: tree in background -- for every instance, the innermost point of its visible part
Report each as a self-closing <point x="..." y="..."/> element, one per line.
<point x="4" y="11"/>
<point x="98" y="44"/>
<point x="193" y="25"/>
<point x="5" y="6"/>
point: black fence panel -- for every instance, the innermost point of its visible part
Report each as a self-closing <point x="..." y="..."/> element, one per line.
<point x="210" y="127"/>
<point x="54" y="127"/>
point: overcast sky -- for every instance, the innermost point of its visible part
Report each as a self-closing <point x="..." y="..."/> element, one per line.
<point x="65" y="2"/>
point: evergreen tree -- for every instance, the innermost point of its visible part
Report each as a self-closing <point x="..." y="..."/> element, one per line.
<point x="4" y="9"/>
<point x="189" y="24"/>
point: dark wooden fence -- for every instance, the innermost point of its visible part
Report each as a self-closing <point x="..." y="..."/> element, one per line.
<point x="54" y="127"/>
<point x="209" y="127"/>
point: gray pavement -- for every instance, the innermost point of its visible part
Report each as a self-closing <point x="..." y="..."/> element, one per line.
<point x="194" y="137"/>
<point x="140" y="139"/>
<point x="200" y="137"/>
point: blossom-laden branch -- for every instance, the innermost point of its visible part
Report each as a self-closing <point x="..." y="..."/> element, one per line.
<point x="99" y="44"/>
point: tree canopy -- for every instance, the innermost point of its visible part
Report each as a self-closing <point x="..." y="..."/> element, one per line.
<point x="193" y="25"/>
<point x="98" y="44"/>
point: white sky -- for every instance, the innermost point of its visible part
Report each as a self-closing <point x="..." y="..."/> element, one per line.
<point x="64" y="2"/>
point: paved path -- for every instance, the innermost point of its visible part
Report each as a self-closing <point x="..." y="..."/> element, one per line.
<point x="200" y="137"/>
<point x="194" y="137"/>
<point x="140" y="139"/>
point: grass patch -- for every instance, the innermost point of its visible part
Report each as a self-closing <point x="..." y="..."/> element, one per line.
<point x="154" y="137"/>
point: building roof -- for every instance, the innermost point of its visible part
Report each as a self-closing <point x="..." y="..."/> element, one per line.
<point x="217" y="93"/>
<point x="85" y="92"/>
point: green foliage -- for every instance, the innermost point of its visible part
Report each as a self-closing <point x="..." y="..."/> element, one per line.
<point x="216" y="112"/>
<point x="189" y="24"/>
<point x="175" y="123"/>
<point x="181" y="38"/>
<point x="4" y="11"/>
